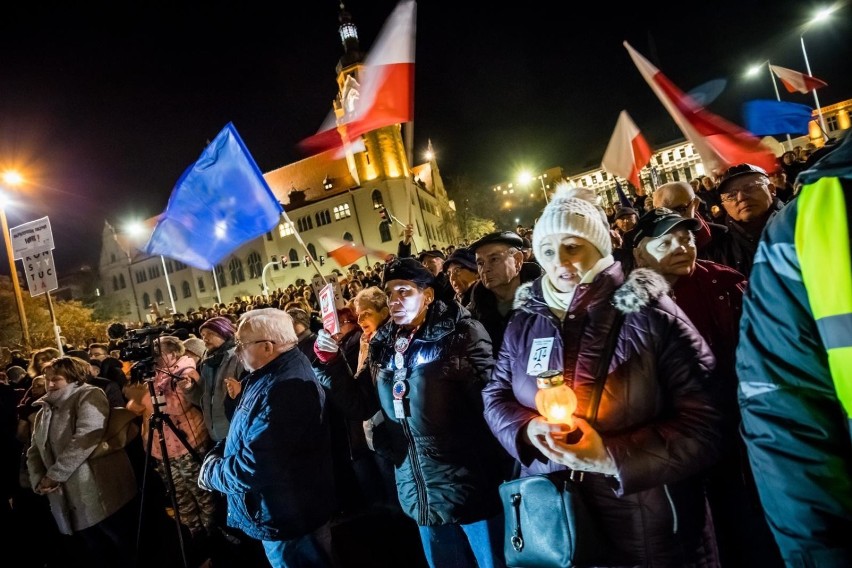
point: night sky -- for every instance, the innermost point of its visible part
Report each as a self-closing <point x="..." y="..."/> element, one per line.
<point x="104" y="108"/>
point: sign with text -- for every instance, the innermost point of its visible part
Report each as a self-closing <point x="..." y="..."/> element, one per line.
<point x="318" y="282"/>
<point x="328" y="309"/>
<point x="31" y="237"/>
<point x="41" y="274"/>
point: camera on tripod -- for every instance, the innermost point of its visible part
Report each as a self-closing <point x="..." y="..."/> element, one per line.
<point x="139" y="347"/>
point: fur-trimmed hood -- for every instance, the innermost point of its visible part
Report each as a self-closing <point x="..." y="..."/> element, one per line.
<point x="642" y="287"/>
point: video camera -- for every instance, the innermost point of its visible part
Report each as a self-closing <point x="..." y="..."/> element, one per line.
<point x="137" y="346"/>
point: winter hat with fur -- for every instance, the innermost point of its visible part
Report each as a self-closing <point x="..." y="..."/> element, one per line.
<point x="195" y="346"/>
<point x="573" y="210"/>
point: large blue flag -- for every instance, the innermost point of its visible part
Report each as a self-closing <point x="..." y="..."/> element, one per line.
<point x="774" y="118"/>
<point x="219" y="203"/>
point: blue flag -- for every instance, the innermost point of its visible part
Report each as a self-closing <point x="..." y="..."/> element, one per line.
<point x="219" y="203"/>
<point x="773" y="118"/>
<point x="622" y="197"/>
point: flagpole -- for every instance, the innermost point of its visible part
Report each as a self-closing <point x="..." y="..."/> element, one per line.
<point x="816" y="98"/>
<point x="168" y="285"/>
<point x="298" y="236"/>
<point x="778" y="98"/>
<point x="216" y="283"/>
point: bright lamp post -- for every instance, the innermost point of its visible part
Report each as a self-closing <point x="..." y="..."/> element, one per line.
<point x="14" y="178"/>
<point x="820" y="16"/>
<point x="754" y="70"/>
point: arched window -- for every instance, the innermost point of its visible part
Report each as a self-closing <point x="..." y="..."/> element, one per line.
<point x="348" y="236"/>
<point x="312" y="250"/>
<point x="220" y="276"/>
<point x="377" y="199"/>
<point x="158" y="296"/>
<point x="294" y="258"/>
<point x="186" y="289"/>
<point x="235" y="267"/>
<point x="384" y="231"/>
<point x="146" y="299"/>
<point x="114" y="283"/>
<point x="174" y="292"/>
<point x="121" y="283"/>
<point x="200" y="284"/>
<point x="255" y="265"/>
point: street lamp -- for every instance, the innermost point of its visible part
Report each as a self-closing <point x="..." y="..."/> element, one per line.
<point x="754" y="70"/>
<point x="820" y="16"/>
<point x="525" y="178"/>
<point x="14" y="178"/>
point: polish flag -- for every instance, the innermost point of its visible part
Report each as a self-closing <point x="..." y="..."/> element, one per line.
<point x="797" y="82"/>
<point x="386" y="89"/>
<point x="346" y="252"/>
<point x="720" y="143"/>
<point x="627" y="152"/>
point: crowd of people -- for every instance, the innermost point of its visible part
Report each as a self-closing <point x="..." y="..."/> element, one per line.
<point x="721" y="437"/>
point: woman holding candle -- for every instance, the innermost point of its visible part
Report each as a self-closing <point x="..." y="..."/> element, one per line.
<point x="658" y="427"/>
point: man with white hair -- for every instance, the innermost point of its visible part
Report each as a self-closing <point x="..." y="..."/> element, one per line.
<point x="275" y="466"/>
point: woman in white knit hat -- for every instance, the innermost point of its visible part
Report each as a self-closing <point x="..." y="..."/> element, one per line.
<point x="657" y="427"/>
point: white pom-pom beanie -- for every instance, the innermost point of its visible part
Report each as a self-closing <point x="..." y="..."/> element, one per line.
<point x="573" y="210"/>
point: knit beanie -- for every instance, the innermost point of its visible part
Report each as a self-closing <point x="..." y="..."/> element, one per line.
<point x="219" y="325"/>
<point x="573" y="210"/>
<point x="195" y="346"/>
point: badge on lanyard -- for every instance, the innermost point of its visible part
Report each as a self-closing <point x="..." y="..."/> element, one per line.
<point x="400" y="389"/>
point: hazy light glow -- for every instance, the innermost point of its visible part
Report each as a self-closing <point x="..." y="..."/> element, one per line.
<point x="134" y="228"/>
<point x="221" y="229"/>
<point x="12" y="177"/>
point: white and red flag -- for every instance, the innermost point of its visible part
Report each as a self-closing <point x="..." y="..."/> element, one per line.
<point x="386" y="90"/>
<point x="797" y="82"/>
<point x="346" y="252"/>
<point x="627" y="152"/>
<point x="721" y="144"/>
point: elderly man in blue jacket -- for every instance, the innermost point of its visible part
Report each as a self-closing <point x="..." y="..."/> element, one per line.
<point x="275" y="467"/>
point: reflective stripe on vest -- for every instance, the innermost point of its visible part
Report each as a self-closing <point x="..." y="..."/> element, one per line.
<point x="822" y="245"/>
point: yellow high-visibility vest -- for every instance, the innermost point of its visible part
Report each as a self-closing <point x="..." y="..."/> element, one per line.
<point x="823" y="247"/>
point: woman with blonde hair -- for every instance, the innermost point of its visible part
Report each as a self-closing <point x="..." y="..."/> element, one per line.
<point x="90" y="497"/>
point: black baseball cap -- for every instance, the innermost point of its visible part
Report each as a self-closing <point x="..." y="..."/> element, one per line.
<point x="434" y="252"/>
<point x="658" y="222"/>
<point x="463" y="257"/>
<point x="510" y="238"/>
<point x="624" y="212"/>
<point x="735" y="171"/>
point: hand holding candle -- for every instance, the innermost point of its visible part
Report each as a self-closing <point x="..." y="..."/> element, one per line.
<point x="557" y="402"/>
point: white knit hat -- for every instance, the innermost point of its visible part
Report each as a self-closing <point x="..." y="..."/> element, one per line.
<point x="573" y="210"/>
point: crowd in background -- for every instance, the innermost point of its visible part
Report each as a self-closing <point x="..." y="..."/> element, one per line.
<point x="423" y="399"/>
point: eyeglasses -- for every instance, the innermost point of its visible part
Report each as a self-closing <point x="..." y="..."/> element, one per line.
<point x="747" y="190"/>
<point x="241" y="345"/>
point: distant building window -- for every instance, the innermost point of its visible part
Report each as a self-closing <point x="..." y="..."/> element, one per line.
<point x="322" y="217"/>
<point x="140" y="276"/>
<point x="186" y="289"/>
<point x="285" y="230"/>
<point x="121" y="282"/>
<point x="112" y="257"/>
<point x="170" y="267"/>
<point x="294" y="258"/>
<point x="312" y="250"/>
<point x="377" y="199"/>
<point x="174" y="292"/>
<point x="831" y="123"/>
<point x="304" y="224"/>
<point x="114" y="283"/>
<point x="235" y="267"/>
<point x="384" y="231"/>
<point x="255" y="265"/>
<point x="348" y="236"/>
<point x="341" y="211"/>
<point x="220" y="276"/>
<point x="146" y="299"/>
<point x="179" y="265"/>
<point x="269" y="236"/>
<point x="158" y="295"/>
<point x="200" y="284"/>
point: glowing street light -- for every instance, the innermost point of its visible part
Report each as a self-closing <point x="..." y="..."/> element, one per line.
<point x="524" y="178"/>
<point x="13" y="178"/>
<point x="753" y="71"/>
<point x="821" y="15"/>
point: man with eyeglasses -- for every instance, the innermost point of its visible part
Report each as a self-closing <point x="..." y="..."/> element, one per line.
<point x="275" y="465"/>
<point x="748" y="198"/>
<point x="679" y="196"/>
<point x="500" y="263"/>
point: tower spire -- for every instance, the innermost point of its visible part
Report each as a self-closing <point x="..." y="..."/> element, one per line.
<point x="349" y="38"/>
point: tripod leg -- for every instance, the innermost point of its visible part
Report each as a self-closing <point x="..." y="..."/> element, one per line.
<point x="157" y="425"/>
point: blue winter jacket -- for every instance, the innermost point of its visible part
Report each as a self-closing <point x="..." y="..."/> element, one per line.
<point x="276" y="470"/>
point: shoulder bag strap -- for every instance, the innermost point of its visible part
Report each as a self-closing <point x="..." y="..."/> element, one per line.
<point x="603" y="368"/>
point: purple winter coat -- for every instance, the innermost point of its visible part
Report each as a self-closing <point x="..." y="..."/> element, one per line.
<point x="657" y="416"/>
